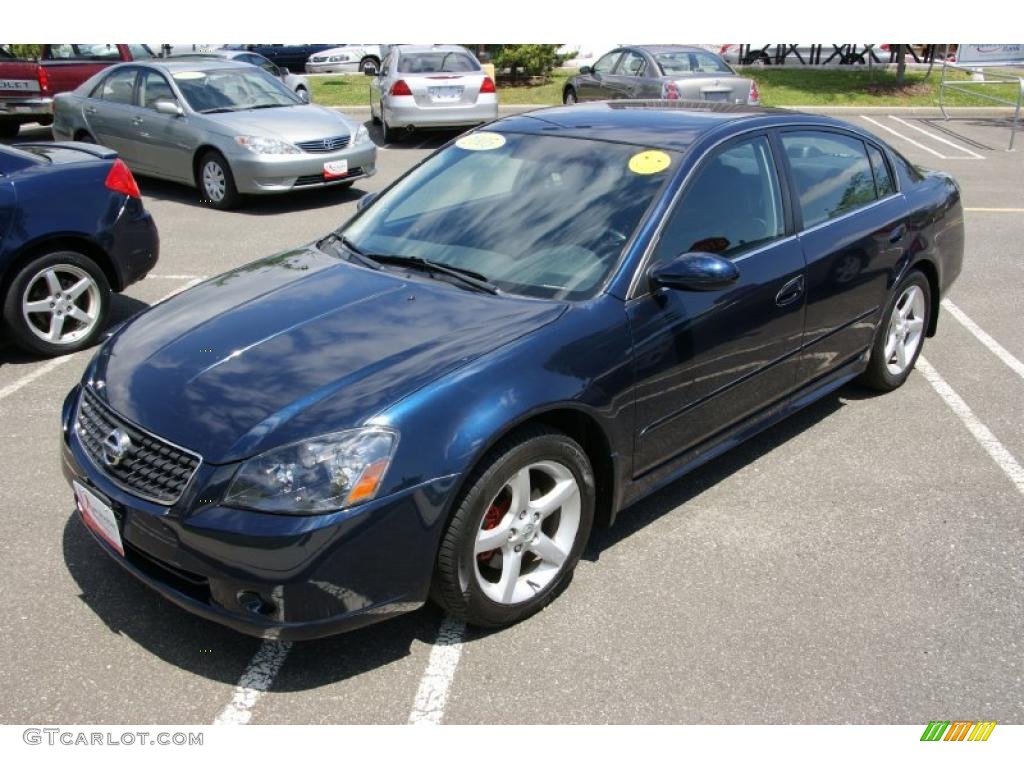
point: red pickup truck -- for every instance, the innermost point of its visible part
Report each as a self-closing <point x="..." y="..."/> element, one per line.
<point x="27" y="87"/>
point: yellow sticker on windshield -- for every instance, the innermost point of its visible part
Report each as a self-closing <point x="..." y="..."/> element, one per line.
<point x="651" y="161"/>
<point x="480" y="141"/>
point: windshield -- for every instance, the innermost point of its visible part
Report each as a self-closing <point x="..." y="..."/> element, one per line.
<point x="540" y="216"/>
<point x="437" y="61"/>
<point x="684" y="63"/>
<point x="229" y="90"/>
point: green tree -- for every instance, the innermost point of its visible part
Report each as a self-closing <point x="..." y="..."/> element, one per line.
<point x="25" y="50"/>
<point x="531" y="60"/>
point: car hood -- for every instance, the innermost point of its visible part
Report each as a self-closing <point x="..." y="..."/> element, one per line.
<point x="302" y="122"/>
<point x="293" y="346"/>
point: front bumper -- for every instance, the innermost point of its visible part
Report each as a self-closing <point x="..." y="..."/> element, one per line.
<point x="262" y="174"/>
<point x="313" y="576"/>
<point x="404" y="112"/>
<point x="313" y="68"/>
<point x="26" y="109"/>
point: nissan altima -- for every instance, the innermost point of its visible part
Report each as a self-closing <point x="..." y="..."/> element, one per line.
<point x="535" y="327"/>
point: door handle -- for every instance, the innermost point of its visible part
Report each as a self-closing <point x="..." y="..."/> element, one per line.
<point x="897" y="234"/>
<point x="136" y="121"/>
<point x="790" y="292"/>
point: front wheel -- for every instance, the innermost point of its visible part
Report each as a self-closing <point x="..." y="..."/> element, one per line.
<point x="900" y="335"/>
<point x="518" y="529"/>
<point x="216" y="182"/>
<point x="369" y="66"/>
<point x="569" y="97"/>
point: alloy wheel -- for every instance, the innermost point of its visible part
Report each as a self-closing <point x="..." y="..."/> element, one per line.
<point x="906" y="330"/>
<point x="61" y="304"/>
<point x="215" y="182"/>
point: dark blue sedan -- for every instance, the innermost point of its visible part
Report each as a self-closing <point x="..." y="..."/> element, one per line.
<point x="72" y="230"/>
<point x="540" y="324"/>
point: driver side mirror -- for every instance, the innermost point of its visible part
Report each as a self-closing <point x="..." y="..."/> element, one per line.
<point x="365" y="200"/>
<point x="168" y="107"/>
<point x="585" y="70"/>
<point x="695" y="271"/>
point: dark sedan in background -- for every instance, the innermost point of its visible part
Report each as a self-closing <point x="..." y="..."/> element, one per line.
<point x="540" y="324"/>
<point x="661" y="72"/>
<point x="72" y="230"/>
<point x="292" y="56"/>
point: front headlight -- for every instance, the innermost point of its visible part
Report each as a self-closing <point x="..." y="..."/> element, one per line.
<point x="324" y="474"/>
<point x="262" y="145"/>
<point x="362" y="135"/>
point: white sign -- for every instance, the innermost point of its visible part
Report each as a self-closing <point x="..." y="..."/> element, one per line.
<point x="991" y="54"/>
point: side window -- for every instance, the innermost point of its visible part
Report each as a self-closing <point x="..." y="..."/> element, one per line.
<point x="632" y="65"/>
<point x="60" y="51"/>
<point x="119" y="86"/>
<point x="140" y="51"/>
<point x="98" y="51"/>
<point x="883" y="178"/>
<point x="907" y="172"/>
<point x="733" y="204"/>
<point x="832" y="174"/>
<point x="606" y="63"/>
<point x="152" y="87"/>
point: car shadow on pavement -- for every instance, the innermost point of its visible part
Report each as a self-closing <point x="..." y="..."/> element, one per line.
<point x="675" y="495"/>
<point x="253" y="205"/>
<point x="121" y="308"/>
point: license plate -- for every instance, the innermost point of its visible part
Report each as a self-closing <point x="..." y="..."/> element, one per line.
<point x="19" y="85"/>
<point x="335" y="169"/>
<point x="98" y="515"/>
<point x="716" y="95"/>
<point x="445" y="92"/>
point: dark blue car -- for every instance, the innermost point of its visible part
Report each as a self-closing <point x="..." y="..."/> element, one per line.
<point x="72" y="230"/>
<point x="538" y="325"/>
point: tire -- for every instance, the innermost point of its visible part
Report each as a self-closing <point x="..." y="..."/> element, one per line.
<point x="908" y="311"/>
<point x="569" y="97"/>
<point x="474" y="583"/>
<point x="83" y="298"/>
<point x="216" y="182"/>
<point x="303" y="94"/>
<point x="85" y="137"/>
<point x="387" y="134"/>
<point x="369" y="64"/>
<point x="9" y="129"/>
<point x="757" y="59"/>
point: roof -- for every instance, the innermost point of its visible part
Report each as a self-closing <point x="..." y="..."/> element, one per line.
<point x="668" y="48"/>
<point x="204" y="62"/>
<point x="428" y="48"/>
<point x="673" y="125"/>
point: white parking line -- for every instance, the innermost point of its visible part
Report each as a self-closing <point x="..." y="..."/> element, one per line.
<point x="255" y="681"/>
<point x="996" y="450"/>
<point x="994" y="346"/>
<point x="936" y="137"/>
<point x="905" y="138"/>
<point x="174" y="277"/>
<point x="432" y="695"/>
<point x="50" y="365"/>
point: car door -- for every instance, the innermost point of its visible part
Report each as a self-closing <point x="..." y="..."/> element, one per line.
<point x="165" y="142"/>
<point x="110" y="111"/>
<point x="854" y="234"/>
<point x="624" y="81"/>
<point x="705" y="360"/>
<point x="591" y="86"/>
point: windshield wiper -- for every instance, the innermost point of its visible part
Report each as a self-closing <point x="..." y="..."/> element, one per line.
<point x="215" y="110"/>
<point x="352" y="249"/>
<point x="466" y="276"/>
<point x="269" y="106"/>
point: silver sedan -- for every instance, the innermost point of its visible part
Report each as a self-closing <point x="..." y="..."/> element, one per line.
<point x="224" y="128"/>
<point x="431" y="86"/>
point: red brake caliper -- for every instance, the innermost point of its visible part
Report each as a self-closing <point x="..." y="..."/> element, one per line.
<point x="491" y="520"/>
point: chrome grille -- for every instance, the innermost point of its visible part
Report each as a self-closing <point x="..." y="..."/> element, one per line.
<point x="149" y="467"/>
<point x="330" y="144"/>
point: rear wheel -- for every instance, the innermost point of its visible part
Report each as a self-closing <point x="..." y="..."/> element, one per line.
<point x="57" y="303"/>
<point x="9" y="129"/>
<point x="569" y="97"/>
<point x="518" y="529"/>
<point x="216" y="182"/>
<point x="900" y="334"/>
<point x="369" y="66"/>
<point x="388" y="134"/>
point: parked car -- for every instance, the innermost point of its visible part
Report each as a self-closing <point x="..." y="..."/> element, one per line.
<point x="537" y="326"/>
<point x="435" y="86"/>
<point x="808" y="54"/>
<point x="27" y="87"/>
<point x="365" y="58"/>
<point x="73" y="230"/>
<point x="660" y="72"/>
<point x="227" y="129"/>
<point x="297" y="83"/>
<point x="294" y="57"/>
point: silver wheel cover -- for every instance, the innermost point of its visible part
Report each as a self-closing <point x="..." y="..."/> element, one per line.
<point x="61" y="304"/>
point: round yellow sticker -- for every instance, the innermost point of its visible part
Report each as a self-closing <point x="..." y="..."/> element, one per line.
<point x="651" y="161"/>
<point x="483" y="140"/>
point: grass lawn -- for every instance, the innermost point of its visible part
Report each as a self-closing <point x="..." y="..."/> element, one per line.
<point x="779" y="88"/>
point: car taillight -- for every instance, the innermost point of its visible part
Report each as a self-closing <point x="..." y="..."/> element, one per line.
<point x="400" y="88"/>
<point x="670" y="91"/>
<point x="120" y="179"/>
<point x="754" y="97"/>
<point x="44" y="79"/>
<point x="487" y="86"/>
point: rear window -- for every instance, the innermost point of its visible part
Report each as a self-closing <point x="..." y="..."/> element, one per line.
<point x="436" y="61"/>
<point x="681" y="63"/>
<point x="88" y="51"/>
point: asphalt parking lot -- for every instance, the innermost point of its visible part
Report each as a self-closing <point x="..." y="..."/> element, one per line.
<point x="862" y="562"/>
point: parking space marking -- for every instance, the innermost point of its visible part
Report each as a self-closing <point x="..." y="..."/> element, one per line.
<point x="996" y="450"/>
<point x="936" y="137"/>
<point x="905" y="138"/>
<point x="432" y="694"/>
<point x="174" y="277"/>
<point x="995" y="210"/>
<point x="994" y="346"/>
<point x="256" y="680"/>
